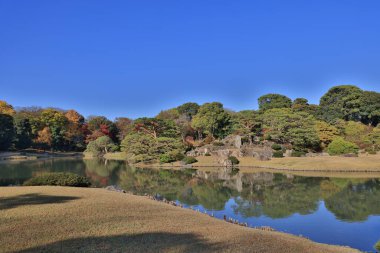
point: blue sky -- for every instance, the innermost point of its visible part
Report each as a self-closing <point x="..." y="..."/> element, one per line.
<point x="134" y="58"/>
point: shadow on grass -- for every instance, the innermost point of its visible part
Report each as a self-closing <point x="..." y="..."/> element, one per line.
<point x="147" y="242"/>
<point x="32" y="199"/>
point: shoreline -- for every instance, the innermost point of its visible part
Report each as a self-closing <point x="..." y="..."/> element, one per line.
<point x="127" y="215"/>
<point x="331" y="164"/>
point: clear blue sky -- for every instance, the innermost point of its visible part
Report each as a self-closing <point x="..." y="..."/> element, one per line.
<point x="134" y="58"/>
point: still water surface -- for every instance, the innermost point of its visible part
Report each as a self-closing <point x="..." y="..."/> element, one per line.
<point x="327" y="210"/>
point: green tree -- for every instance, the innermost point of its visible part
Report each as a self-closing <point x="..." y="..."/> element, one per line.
<point x="188" y="109"/>
<point x="171" y="114"/>
<point x="156" y="127"/>
<point x="370" y="108"/>
<point x="341" y="102"/>
<point x="212" y="120"/>
<point x="355" y="132"/>
<point x="296" y="128"/>
<point x="6" y="131"/>
<point x="302" y="105"/>
<point x="247" y="123"/>
<point x="102" y="145"/>
<point x="23" y="131"/>
<point x="326" y="132"/>
<point x="339" y="146"/>
<point x="56" y="122"/>
<point x="144" y="147"/>
<point x="6" y="108"/>
<point x="33" y="114"/>
<point x="373" y="139"/>
<point x="272" y="101"/>
<point x="140" y="146"/>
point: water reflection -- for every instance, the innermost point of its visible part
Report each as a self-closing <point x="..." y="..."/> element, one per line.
<point x="260" y="197"/>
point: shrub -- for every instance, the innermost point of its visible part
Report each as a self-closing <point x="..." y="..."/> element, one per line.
<point x="189" y="160"/>
<point x="233" y="160"/>
<point x="59" y="179"/>
<point x="339" y="146"/>
<point x="298" y="153"/>
<point x="276" y="147"/>
<point x="278" y="154"/>
<point x="208" y="139"/>
<point x="218" y="143"/>
<point x="372" y="152"/>
<point x="166" y="158"/>
<point x="207" y="154"/>
<point x="377" y="246"/>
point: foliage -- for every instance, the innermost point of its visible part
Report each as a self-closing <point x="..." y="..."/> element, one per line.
<point x="6" y="108"/>
<point x="144" y="147"/>
<point x="298" y="153"/>
<point x="296" y="128"/>
<point x="370" y="108"/>
<point x="23" y="132"/>
<point x="339" y="146"/>
<point x="102" y="145"/>
<point x="326" y="132"/>
<point x="6" y="131"/>
<point x="44" y="138"/>
<point x="276" y="147"/>
<point x="171" y="114"/>
<point x="212" y="120"/>
<point x="344" y="111"/>
<point x="166" y="158"/>
<point x="234" y="160"/>
<point x="278" y="154"/>
<point x="156" y="127"/>
<point x="272" y="101"/>
<point x="75" y="131"/>
<point x="56" y="123"/>
<point x="218" y="144"/>
<point x="377" y="246"/>
<point x="247" y="123"/>
<point x="373" y="139"/>
<point x="59" y="179"/>
<point x="189" y="160"/>
<point x="342" y="102"/>
<point x="355" y="132"/>
<point x="188" y="109"/>
<point x="124" y="127"/>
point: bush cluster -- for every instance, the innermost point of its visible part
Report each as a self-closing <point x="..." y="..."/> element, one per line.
<point x="218" y="143"/>
<point x="339" y="146"/>
<point x="298" y="153"/>
<point x="377" y="246"/>
<point x="278" y="154"/>
<point x="233" y="160"/>
<point x="189" y="160"/>
<point x="276" y="147"/>
<point x="59" y="179"/>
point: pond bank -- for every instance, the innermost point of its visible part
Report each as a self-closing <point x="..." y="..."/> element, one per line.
<point x="93" y="220"/>
<point x="36" y="154"/>
<point x="364" y="164"/>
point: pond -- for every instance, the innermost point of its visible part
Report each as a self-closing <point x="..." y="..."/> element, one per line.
<point x="341" y="211"/>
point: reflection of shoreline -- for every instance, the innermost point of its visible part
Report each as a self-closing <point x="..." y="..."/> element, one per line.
<point x="334" y="174"/>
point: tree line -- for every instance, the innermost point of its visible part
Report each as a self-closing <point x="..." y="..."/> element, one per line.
<point x="345" y="120"/>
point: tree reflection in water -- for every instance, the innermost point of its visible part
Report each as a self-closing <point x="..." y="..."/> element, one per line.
<point x="258" y="194"/>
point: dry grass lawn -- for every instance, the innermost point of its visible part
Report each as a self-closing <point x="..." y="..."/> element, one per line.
<point x="59" y="219"/>
<point x="363" y="163"/>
